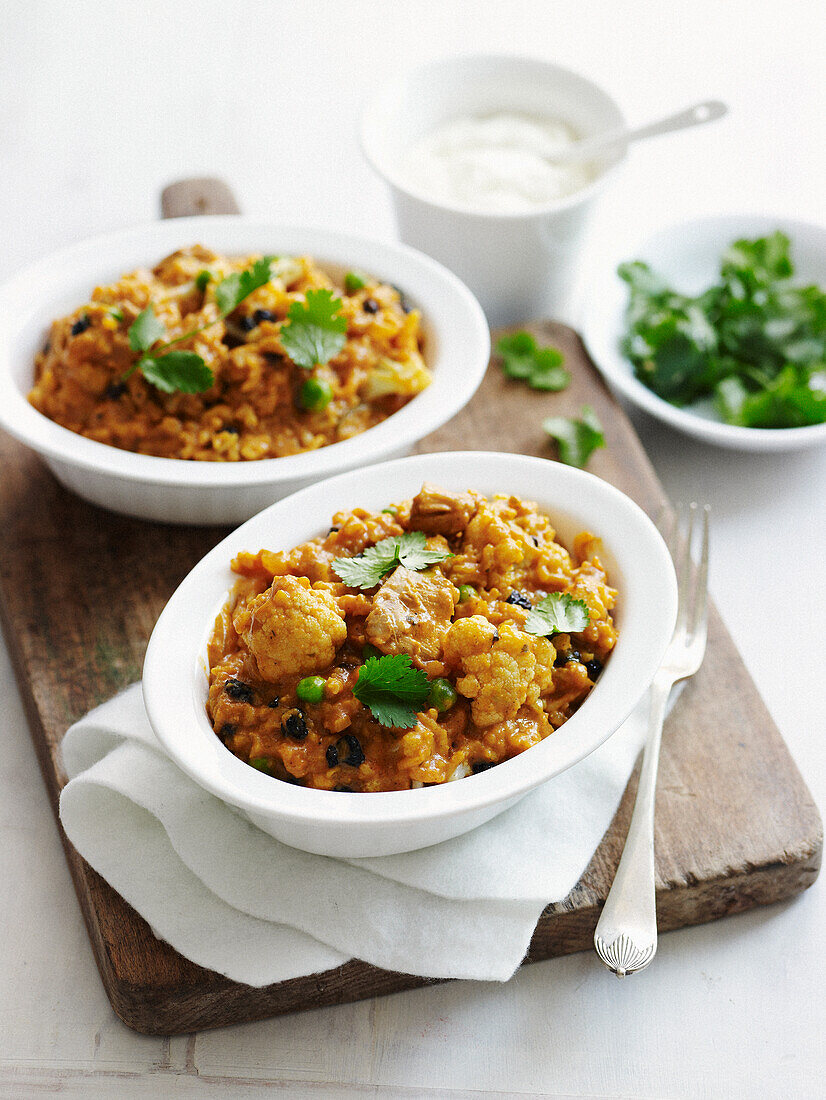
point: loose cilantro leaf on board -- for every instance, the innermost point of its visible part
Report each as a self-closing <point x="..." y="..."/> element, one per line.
<point x="541" y="368"/>
<point x="577" y="439"/>
<point x="145" y="330"/>
<point x="392" y="689"/>
<point x="232" y="290"/>
<point x="315" y="330"/>
<point x="177" y="370"/>
<point x="752" y="340"/>
<point x="367" y="569"/>
<point x="558" y="613"/>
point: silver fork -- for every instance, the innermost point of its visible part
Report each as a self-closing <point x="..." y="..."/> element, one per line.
<point x="626" y="934"/>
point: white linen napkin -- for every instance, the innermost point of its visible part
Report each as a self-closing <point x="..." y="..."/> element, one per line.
<point x="231" y="898"/>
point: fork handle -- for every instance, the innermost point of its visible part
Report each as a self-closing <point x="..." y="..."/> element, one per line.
<point x="626" y="934"/>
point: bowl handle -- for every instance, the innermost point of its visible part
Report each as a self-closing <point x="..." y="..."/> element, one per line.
<point x="197" y="196"/>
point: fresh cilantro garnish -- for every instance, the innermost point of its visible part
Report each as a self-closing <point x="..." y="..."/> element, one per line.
<point x="558" y="613"/>
<point x="392" y="689"/>
<point x="367" y="569"/>
<point x="116" y="313"/>
<point x="145" y="330"/>
<point x="541" y="368"/>
<point x="231" y="292"/>
<point x="751" y="341"/>
<point x="186" y="371"/>
<point x="177" y="370"/>
<point x="577" y="439"/>
<point x="315" y="330"/>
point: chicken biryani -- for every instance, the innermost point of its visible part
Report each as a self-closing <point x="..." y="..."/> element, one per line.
<point x="419" y="644"/>
<point x="225" y="359"/>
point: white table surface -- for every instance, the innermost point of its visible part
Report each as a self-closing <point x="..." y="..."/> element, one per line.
<point x="100" y="105"/>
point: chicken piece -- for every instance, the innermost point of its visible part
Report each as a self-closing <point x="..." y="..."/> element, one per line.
<point x="438" y="512"/>
<point x="502" y="670"/>
<point x="411" y="614"/>
<point x="291" y="629"/>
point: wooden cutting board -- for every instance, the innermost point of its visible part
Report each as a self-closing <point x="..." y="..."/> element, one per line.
<point x="736" y="825"/>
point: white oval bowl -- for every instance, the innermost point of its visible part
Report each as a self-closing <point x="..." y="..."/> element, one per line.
<point x="349" y="825"/>
<point x="457" y="349"/>
<point x="688" y="255"/>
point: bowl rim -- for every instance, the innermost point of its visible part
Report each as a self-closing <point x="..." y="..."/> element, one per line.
<point x="176" y="651"/>
<point x="599" y="337"/>
<point x="369" y="124"/>
<point x="461" y="340"/>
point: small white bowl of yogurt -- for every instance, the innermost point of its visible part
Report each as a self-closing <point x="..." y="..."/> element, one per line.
<point x="466" y="145"/>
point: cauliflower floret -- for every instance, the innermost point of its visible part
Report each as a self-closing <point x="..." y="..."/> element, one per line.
<point x="405" y="377"/>
<point x="291" y="629"/>
<point x="502" y="670"/>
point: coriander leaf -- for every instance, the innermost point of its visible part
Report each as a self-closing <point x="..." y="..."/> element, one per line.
<point x="315" y="330"/>
<point x="177" y="370"/>
<point x="541" y="368"/>
<point x="145" y="330"/>
<point x="230" y="292"/>
<point x="752" y="340"/>
<point x="391" y="688"/>
<point x="367" y="569"/>
<point x="413" y="552"/>
<point x="576" y="439"/>
<point x="203" y="279"/>
<point x="558" y="613"/>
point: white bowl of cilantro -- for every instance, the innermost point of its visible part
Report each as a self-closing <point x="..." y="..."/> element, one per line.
<point x="718" y="328"/>
<point x="176" y="675"/>
<point x="455" y="350"/>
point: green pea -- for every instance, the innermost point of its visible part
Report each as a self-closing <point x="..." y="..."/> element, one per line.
<point x="466" y="592"/>
<point x="311" y="689"/>
<point x="203" y="279"/>
<point x="353" y="281"/>
<point x="261" y="764"/>
<point x="368" y="651"/>
<point x="316" y="394"/>
<point x="442" y="695"/>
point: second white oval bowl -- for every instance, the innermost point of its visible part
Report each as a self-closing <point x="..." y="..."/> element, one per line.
<point x="353" y="825"/>
<point x="457" y="348"/>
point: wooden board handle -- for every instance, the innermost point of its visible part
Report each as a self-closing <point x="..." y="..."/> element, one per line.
<point x="197" y="196"/>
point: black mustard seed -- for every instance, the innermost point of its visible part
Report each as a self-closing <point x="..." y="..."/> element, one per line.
<point x="370" y="305"/>
<point x="238" y="690"/>
<point x="294" y="726"/>
<point x="482" y="766"/>
<point x="349" y="750"/>
<point x="519" y="599"/>
<point x="332" y="756"/>
<point x="80" y="326"/>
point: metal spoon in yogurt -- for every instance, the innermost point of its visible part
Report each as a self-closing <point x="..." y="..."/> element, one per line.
<point x="592" y="147"/>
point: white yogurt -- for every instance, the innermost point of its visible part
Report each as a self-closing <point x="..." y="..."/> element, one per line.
<point x="495" y="164"/>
